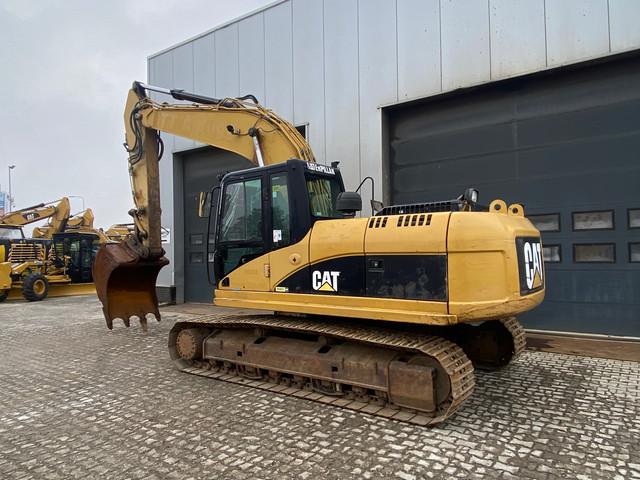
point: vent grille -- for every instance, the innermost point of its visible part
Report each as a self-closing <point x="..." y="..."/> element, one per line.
<point x="431" y="207"/>
<point x="26" y="252"/>
<point x="413" y="220"/>
<point x="378" y="222"/>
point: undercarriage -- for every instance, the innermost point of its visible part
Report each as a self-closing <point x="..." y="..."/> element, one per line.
<point x="420" y="378"/>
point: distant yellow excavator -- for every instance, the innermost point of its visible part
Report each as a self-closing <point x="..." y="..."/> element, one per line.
<point x="12" y="223"/>
<point x="58" y="260"/>
<point x="82" y="220"/>
<point x="386" y="314"/>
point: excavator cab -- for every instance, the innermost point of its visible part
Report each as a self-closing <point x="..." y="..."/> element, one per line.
<point x="267" y="208"/>
<point x="80" y="250"/>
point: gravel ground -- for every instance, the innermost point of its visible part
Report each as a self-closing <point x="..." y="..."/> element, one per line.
<point x="79" y="401"/>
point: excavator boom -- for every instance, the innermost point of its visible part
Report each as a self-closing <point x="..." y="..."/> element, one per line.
<point x="57" y="212"/>
<point x="125" y="273"/>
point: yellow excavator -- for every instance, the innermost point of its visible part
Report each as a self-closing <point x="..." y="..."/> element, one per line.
<point x="82" y="220"/>
<point x="11" y="224"/>
<point x="119" y="231"/>
<point x="386" y="314"/>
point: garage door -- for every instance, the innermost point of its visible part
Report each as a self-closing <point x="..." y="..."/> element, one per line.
<point x="201" y="170"/>
<point x="567" y="145"/>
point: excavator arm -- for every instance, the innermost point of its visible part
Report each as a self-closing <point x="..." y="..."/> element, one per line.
<point x="83" y="219"/>
<point x="57" y="211"/>
<point x="125" y="273"/>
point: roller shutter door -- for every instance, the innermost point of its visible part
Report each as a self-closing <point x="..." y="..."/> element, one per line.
<point x="567" y="145"/>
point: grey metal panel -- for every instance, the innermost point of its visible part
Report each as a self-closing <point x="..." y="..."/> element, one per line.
<point x="465" y="43"/>
<point x="517" y="37"/>
<point x="418" y="30"/>
<point x="278" y="60"/>
<point x="624" y="18"/>
<point x="226" y="48"/>
<point x="204" y="67"/>
<point x="559" y="143"/>
<point x="341" y="87"/>
<point x="183" y="78"/>
<point x="162" y="76"/>
<point x="251" y="56"/>
<point x="576" y="29"/>
<point x="377" y="63"/>
<point x="204" y="76"/>
<point x="308" y="72"/>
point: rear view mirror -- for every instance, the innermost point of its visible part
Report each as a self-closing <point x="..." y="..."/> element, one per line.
<point x="203" y="204"/>
<point x="349" y="203"/>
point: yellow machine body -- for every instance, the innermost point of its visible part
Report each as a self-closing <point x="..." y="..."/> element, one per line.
<point x="482" y="278"/>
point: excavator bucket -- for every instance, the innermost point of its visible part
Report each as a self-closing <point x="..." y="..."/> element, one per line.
<point x="126" y="283"/>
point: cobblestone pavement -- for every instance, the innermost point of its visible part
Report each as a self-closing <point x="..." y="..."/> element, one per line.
<point x="78" y="401"/>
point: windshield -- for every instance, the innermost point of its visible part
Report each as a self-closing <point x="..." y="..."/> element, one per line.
<point x="323" y="192"/>
<point x="9" y="233"/>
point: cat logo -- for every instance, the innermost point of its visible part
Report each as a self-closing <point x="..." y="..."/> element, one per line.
<point x="325" y="281"/>
<point x="531" y="264"/>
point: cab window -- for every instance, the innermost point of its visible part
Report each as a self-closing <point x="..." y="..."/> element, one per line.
<point x="280" y="215"/>
<point x="11" y="233"/>
<point x="240" y="233"/>
<point x="242" y="213"/>
<point x="323" y="192"/>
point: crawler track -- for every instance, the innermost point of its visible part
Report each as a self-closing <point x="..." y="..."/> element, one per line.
<point x="450" y="358"/>
<point x="518" y="333"/>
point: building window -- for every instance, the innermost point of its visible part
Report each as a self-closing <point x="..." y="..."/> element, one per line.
<point x="196" y="239"/>
<point x="594" y="253"/>
<point x="633" y="215"/>
<point x="597" y="220"/>
<point x="552" y="253"/>
<point x="303" y="130"/>
<point x="547" y="222"/>
<point x="634" y="252"/>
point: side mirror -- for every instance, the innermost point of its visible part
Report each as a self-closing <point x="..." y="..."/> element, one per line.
<point x="349" y="203"/>
<point x="470" y="195"/>
<point x="376" y="205"/>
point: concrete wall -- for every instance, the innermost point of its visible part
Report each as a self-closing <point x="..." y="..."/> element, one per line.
<point x="332" y="64"/>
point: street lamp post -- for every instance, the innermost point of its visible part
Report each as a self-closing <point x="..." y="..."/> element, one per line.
<point x="11" y="167"/>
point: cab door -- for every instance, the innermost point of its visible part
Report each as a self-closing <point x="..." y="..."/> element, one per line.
<point x="242" y="236"/>
<point x="288" y="259"/>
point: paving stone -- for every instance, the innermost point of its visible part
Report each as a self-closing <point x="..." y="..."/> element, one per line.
<point x="78" y="401"/>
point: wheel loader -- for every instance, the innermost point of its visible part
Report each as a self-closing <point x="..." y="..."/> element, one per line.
<point x="386" y="314"/>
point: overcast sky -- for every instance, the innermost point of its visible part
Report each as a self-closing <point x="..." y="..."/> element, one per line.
<point x="65" y="68"/>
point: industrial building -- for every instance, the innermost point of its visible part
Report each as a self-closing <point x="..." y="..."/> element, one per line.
<point x="532" y="101"/>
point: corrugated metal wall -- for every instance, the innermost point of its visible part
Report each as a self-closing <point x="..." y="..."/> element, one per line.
<point x="332" y="63"/>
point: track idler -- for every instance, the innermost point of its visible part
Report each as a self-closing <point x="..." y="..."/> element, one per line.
<point x="126" y="283"/>
<point x="492" y="344"/>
